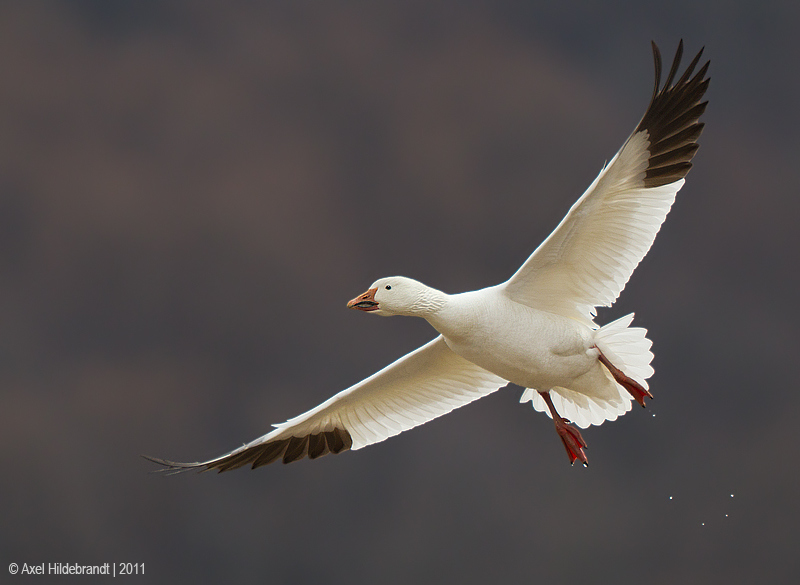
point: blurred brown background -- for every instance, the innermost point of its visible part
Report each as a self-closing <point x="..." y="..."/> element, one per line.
<point x="190" y="192"/>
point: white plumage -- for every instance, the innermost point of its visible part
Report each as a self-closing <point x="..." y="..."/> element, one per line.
<point x="420" y="386"/>
<point x="536" y="329"/>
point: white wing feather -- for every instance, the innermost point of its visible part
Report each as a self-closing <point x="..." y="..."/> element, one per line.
<point x="417" y="388"/>
<point x="588" y="259"/>
<point x="590" y="256"/>
<point x="420" y="386"/>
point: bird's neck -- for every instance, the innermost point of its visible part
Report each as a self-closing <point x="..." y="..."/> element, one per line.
<point x="462" y="315"/>
<point x="429" y="302"/>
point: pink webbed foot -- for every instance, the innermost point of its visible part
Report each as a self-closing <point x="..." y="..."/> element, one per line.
<point x="632" y="386"/>
<point x="570" y="436"/>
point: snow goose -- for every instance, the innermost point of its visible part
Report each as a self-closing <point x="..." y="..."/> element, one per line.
<point x="537" y="329"/>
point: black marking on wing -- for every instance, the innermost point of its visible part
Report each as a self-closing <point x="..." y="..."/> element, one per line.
<point x="671" y="120"/>
<point x="288" y="450"/>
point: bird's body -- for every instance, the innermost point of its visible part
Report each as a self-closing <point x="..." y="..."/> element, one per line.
<point x="526" y="346"/>
<point x="537" y="329"/>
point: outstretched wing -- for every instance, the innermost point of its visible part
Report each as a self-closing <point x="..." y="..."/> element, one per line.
<point x="588" y="259"/>
<point x="420" y="386"/>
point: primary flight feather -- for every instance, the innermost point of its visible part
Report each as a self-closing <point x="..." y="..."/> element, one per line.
<point x="537" y="329"/>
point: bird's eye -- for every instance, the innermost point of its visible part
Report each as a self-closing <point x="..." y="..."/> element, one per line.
<point x="388" y="287"/>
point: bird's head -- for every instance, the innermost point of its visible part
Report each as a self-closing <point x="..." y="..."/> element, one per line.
<point x="397" y="295"/>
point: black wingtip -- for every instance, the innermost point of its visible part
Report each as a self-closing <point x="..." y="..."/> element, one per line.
<point x="672" y="118"/>
<point x="291" y="449"/>
<point x="171" y="467"/>
<point x="156" y="460"/>
<point x="676" y="63"/>
<point x="657" y="64"/>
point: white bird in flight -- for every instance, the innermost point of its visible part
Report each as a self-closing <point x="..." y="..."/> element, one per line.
<point x="537" y="329"/>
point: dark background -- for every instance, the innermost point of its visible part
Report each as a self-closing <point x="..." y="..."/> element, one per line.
<point x="190" y="193"/>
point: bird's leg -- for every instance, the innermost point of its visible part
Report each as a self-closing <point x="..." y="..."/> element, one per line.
<point x="570" y="436"/>
<point x="632" y="386"/>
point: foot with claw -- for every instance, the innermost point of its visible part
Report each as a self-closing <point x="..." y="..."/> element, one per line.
<point x="570" y="436"/>
<point x="572" y="440"/>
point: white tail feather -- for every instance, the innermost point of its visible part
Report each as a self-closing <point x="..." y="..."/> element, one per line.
<point x="629" y="350"/>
